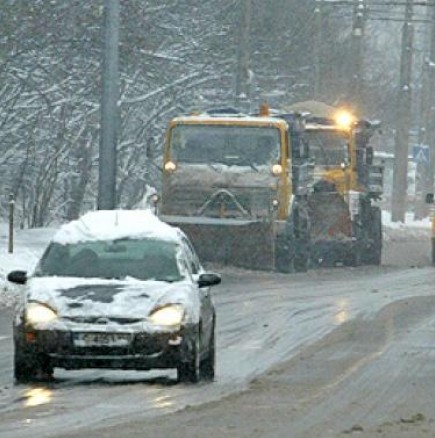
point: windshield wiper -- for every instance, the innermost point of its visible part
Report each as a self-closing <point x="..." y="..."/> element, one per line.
<point x="252" y="166"/>
<point x="214" y="168"/>
<point x="235" y="160"/>
<point x="168" y="279"/>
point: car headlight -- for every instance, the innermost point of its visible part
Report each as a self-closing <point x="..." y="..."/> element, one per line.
<point x="170" y="315"/>
<point x="39" y="313"/>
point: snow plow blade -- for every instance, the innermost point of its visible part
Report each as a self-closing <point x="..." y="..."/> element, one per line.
<point x="241" y="243"/>
<point x="331" y="230"/>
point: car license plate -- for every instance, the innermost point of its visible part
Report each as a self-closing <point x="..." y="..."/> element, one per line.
<point x="102" y="339"/>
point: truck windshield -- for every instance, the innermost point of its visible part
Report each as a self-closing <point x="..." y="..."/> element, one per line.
<point x="229" y="145"/>
<point x="328" y="148"/>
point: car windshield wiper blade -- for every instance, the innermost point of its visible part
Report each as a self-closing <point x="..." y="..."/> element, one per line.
<point x="167" y="279"/>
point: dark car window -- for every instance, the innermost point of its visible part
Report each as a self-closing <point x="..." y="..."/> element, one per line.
<point x="140" y="258"/>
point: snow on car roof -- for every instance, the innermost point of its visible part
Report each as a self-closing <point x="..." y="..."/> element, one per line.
<point x="116" y="224"/>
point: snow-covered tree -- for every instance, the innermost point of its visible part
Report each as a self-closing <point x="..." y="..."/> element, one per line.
<point x="175" y="56"/>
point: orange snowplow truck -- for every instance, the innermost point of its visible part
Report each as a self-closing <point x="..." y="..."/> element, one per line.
<point x="346" y="223"/>
<point x="238" y="185"/>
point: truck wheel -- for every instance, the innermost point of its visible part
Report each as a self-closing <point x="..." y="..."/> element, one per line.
<point x="285" y="254"/>
<point x="285" y="266"/>
<point x="301" y="265"/>
<point x="302" y="256"/>
<point x="355" y="257"/>
<point x="373" y="254"/>
<point x="302" y="240"/>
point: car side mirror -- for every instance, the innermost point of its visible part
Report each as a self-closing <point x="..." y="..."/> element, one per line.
<point x="209" y="279"/>
<point x="19" y="277"/>
<point x="429" y="198"/>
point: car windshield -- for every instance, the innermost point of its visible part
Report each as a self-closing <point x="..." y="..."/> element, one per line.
<point x="230" y="145"/>
<point x="329" y="148"/>
<point x="143" y="259"/>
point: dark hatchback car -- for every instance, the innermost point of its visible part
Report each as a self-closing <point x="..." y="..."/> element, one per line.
<point x="116" y="289"/>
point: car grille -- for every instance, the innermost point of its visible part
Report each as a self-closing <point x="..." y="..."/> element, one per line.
<point x="100" y="351"/>
<point x="142" y="343"/>
<point x="102" y="320"/>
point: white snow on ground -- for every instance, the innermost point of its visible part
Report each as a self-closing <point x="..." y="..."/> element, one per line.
<point x="405" y="230"/>
<point x="29" y="245"/>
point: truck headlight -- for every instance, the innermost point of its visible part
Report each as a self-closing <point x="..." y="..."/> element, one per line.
<point x="39" y="313"/>
<point x="170" y="167"/>
<point x="276" y="169"/>
<point x="170" y="315"/>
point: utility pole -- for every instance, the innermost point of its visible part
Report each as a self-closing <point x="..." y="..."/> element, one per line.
<point x="403" y="118"/>
<point x="109" y="108"/>
<point x="426" y="90"/>
<point x="243" y="55"/>
<point x="430" y="124"/>
<point x="318" y="20"/>
<point x="357" y="55"/>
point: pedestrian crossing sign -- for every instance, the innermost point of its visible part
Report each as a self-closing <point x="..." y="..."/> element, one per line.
<point x="420" y="153"/>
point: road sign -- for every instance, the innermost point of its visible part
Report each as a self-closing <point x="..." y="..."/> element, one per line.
<point x="420" y="153"/>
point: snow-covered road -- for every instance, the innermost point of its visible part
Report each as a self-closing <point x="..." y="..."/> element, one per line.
<point x="263" y="319"/>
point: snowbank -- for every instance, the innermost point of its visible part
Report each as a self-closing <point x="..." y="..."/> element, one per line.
<point x="410" y="229"/>
<point x="28" y="247"/>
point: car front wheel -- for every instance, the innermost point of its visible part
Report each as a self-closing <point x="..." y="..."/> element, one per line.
<point x="31" y="366"/>
<point x="208" y="364"/>
<point x="189" y="371"/>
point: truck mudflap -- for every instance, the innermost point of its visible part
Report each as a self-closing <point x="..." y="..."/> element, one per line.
<point x="242" y="243"/>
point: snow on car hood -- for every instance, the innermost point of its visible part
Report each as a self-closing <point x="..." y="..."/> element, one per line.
<point x="130" y="298"/>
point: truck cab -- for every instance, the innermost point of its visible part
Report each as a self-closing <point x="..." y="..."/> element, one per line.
<point x="228" y="182"/>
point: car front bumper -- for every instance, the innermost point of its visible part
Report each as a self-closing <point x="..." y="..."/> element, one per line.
<point x="145" y="350"/>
